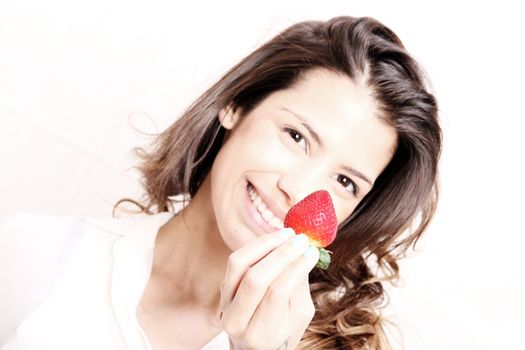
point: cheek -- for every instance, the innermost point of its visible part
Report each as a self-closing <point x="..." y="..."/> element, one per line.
<point x="221" y="191"/>
<point x="223" y="195"/>
<point x="261" y="149"/>
<point x="343" y="209"/>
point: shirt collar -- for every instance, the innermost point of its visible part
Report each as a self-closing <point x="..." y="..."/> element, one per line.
<point x="133" y="258"/>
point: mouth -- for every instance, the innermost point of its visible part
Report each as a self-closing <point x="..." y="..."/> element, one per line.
<point x="265" y="218"/>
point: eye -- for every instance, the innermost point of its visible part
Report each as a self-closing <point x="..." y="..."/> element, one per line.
<point x="347" y="183"/>
<point x="297" y="137"/>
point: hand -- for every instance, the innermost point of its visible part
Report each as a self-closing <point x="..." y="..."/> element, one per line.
<point x="265" y="296"/>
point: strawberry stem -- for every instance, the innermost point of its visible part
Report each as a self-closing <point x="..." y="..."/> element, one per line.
<point x="324" y="259"/>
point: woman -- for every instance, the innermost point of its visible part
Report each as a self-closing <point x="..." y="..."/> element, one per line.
<point x="336" y="105"/>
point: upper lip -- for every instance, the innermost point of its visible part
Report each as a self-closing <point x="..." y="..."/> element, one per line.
<point x="270" y="203"/>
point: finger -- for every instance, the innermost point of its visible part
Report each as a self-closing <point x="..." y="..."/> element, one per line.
<point x="291" y="318"/>
<point x="302" y="311"/>
<point x="242" y="259"/>
<point x="302" y="307"/>
<point x="290" y="292"/>
<point x="259" y="277"/>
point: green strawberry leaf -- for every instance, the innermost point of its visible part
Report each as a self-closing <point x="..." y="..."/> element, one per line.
<point x="324" y="259"/>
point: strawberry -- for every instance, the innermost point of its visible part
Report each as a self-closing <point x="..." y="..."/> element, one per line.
<point x="315" y="216"/>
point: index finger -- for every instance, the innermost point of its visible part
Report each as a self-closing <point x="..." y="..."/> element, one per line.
<point x="242" y="259"/>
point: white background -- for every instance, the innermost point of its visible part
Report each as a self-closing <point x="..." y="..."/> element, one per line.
<point x="75" y="77"/>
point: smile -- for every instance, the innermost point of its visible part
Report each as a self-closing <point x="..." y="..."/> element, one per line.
<point x="268" y="216"/>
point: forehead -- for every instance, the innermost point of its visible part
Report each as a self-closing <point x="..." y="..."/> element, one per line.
<point x="332" y="94"/>
<point x="345" y="115"/>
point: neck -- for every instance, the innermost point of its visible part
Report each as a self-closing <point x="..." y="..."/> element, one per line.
<point x="190" y="255"/>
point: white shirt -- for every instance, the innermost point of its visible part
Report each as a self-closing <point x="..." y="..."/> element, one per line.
<point x="70" y="283"/>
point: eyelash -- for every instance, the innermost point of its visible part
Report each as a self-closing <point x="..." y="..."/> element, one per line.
<point x="339" y="177"/>
<point x="294" y="134"/>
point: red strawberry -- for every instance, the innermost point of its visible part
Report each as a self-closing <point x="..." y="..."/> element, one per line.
<point x="315" y="217"/>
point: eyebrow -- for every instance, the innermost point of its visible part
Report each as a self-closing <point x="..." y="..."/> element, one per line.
<point x="317" y="138"/>
<point x="358" y="174"/>
<point x="312" y="132"/>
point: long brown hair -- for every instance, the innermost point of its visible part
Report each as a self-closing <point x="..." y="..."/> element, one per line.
<point x="391" y="217"/>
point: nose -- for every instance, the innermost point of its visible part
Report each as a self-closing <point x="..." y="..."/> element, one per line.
<point x="299" y="182"/>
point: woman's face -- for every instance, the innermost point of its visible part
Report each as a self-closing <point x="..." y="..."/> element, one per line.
<point x="323" y="133"/>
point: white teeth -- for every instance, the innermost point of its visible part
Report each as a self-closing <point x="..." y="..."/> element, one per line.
<point x="263" y="209"/>
<point x="261" y="206"/>
<point x="275" y="222"/>
<point x="267" y="215"/>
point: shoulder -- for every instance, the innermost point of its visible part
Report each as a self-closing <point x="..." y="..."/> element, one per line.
<point x="23" y="222"/>
<point x="49" y="228"/>
<point x="37" y="245"/>
<point x="31" y="243"/>
<point x="27" y="233"/>
<point x="129" y="225"/>
<point x="32" y="249"/>
<point x="36" y="249"/>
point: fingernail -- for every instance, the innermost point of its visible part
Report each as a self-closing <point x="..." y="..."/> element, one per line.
<point x="286" y="233"/>
<point x="311" y="253"/>
<point x="300" y="241"/>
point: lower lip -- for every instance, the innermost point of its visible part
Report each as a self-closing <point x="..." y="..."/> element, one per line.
<point x="255" y="216"/>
